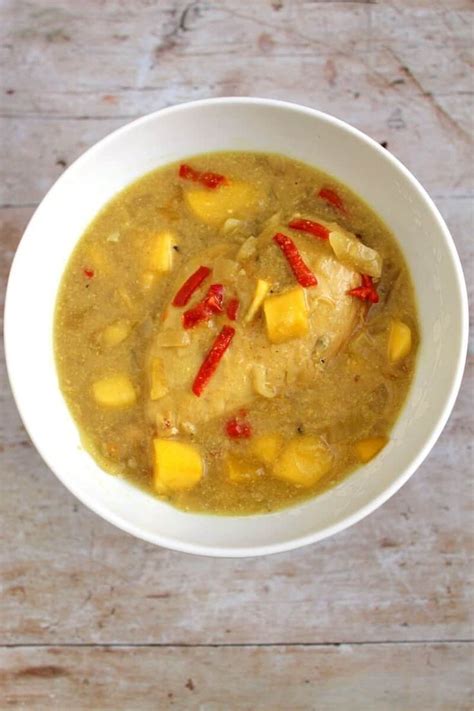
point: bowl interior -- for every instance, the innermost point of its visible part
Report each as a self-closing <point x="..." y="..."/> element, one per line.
<point x="234" y="124"/>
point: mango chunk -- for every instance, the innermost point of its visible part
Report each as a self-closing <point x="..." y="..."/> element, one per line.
<point x="304" y="460"/>
<point x="353" y="253"/>
<point x="161" y="253"/>
<point x="158" y="387"/>
<point x="286" y="315"/>
<point x="267" y="447"/>
<point x="261" y="290"/>
<point x="399" y="341"/>
<point x="115" y="391"/>
<point x="239" y="200"/>
<point x="366" y="449"/>
<point x="115" y="333"/>
<point x="176" y="465"/>
<point x="241" y="470"/>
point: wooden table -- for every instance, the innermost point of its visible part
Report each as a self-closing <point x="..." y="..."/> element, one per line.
<point x="378" y="617"/>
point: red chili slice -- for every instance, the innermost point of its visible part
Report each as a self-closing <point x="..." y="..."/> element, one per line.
<point x="188" y="173"/>
<point x="367" y="291"/>
<point x="211" y="304"/>
<point x="190" y="285"/>
<point x="214" y="298"/>
<point x="212" y="359"/>
<point x="89" y="273"/>
<point x="303" y="274"/>
<point x="313" y="228"/>
<point x="233" y="309"/>
<point x="209" y="180"/>
<point x="333" y="198"/>
<point x="237" y="429"/>
<point x="212" y="180"/>
<point x="196" y="315"/>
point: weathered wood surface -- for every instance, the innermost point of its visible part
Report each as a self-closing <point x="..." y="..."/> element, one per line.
<point x="396" y="590"/>
<point x="239" y="678"/>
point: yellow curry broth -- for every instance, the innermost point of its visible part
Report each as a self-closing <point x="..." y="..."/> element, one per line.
<point x="327" y="405"/>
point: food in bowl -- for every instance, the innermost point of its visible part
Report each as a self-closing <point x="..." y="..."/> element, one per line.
<point x="235" y="333"/>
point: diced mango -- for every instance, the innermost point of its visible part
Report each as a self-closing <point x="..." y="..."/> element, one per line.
<point x="241" y="470"/>
<point x="115" y="333"/>
<point x="399" y="341"/>
<point x="355" y="254"/>
<point x="158" y="387"/>
<point x="176" y="465"/>
<point x="267" y="447"/>
<point x="161" y="253"/>
<point x="240" y="200"/>
<point x="366" y="449"/>
<point x="286" y="315"/>
<point x="115" y="391"/>
<point x="303" y="462"/>
<point x="261" y="290"/>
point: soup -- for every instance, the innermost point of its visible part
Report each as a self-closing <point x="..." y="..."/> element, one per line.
<point x="235" y="333"/>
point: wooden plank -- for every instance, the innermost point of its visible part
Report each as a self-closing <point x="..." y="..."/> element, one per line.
<point x="139" y="49"/>
<point x="177" y="51"/>
<point x="383" y="677"/>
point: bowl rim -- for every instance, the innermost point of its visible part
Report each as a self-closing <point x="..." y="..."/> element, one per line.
<point x="424" y="450"/>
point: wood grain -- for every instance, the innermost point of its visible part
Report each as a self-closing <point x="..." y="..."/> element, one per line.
<point x="380" y="616"/>
<point x="383" y="677"/>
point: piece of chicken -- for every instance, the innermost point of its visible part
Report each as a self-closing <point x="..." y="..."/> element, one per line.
<point x="252" y="366"/>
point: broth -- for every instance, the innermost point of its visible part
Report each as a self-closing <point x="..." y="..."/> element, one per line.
<point x="312" y="377"/>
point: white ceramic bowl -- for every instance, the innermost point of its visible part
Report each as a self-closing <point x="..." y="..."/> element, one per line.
<point x="235" y="124"/>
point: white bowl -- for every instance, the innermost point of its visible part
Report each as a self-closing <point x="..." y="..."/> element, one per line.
<point x="235" y="124"/>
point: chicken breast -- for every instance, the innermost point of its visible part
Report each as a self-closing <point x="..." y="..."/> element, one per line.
<point x="252" y="366"/>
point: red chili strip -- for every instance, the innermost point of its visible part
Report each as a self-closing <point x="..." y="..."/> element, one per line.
<point x="237" y="429"/>
<point x="212" y="180"/>
<point x="367" y="291"/>
<point x="188" y="173"/>
<point x="212" y="359"/>
<point x="211" y="304"/>
<point x="233" y="309"/>
<point x="89" y="273"/>
<point x="190" y="285"/>
<point x="214" y="298"/>
<point x="333" y="198"/>
<point x="303" y="274"/>
<point x="209" y="180"/>
<point x="313" y="228"/>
